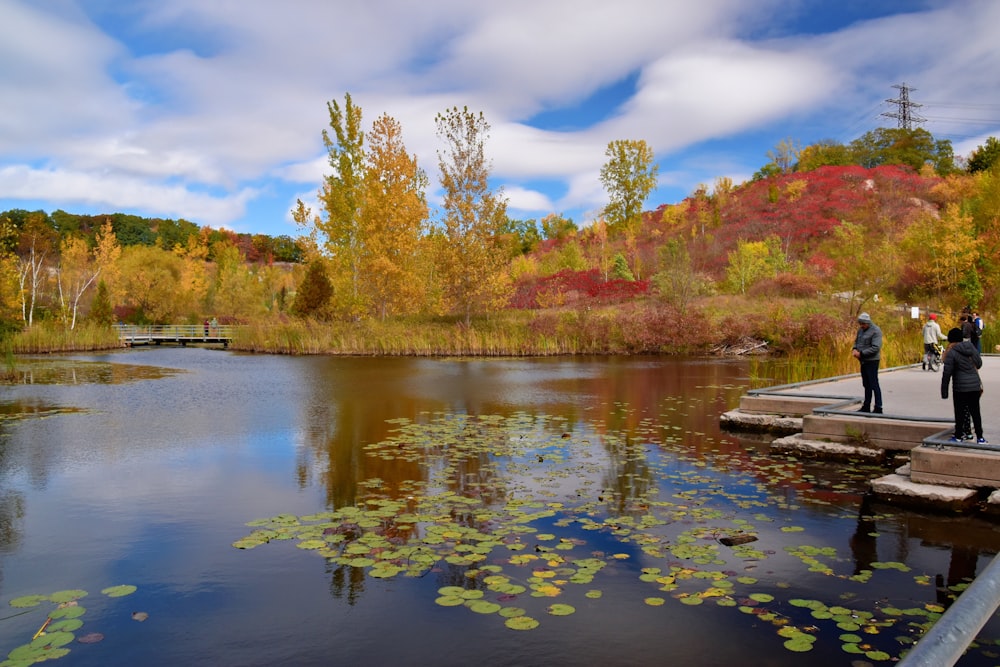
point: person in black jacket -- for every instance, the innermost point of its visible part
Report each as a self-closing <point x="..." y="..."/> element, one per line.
<point x="868" y="351"/>
<point x="961" y="369"/>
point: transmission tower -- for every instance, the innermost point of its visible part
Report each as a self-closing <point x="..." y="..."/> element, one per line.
<point x="904" y="108"/>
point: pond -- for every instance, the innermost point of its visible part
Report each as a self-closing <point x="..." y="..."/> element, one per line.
<point x="178" y="506"/>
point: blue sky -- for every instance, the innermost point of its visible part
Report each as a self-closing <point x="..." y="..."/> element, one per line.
<point x="213" y="111"/>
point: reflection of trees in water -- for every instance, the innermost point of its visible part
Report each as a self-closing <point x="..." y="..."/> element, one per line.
<point x="11" y="518"/>
<point x="628" y="479"/>
<point x="346" y="582"/>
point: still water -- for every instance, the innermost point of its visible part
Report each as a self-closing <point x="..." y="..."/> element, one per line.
<point x="449" y="498"/>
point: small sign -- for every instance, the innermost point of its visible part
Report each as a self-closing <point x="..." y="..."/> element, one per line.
<point x="915" y="312"/>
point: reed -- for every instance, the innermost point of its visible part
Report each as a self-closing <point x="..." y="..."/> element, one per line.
<point x="48" y="337"/>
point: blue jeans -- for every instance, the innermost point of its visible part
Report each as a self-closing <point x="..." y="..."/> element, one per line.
<point x="869" y="379"/>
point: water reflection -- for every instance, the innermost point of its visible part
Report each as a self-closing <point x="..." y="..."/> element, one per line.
<point x="151" y="482"/>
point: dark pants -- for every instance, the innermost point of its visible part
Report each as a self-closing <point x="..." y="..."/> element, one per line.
<point x="967" y="405"/>
<point x="869" y="379"/>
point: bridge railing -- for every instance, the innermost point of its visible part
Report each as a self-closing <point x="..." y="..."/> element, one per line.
<point x="191" y="332"/>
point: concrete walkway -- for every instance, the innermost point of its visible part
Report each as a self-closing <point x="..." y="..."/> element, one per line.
<point x="912" y="393"/>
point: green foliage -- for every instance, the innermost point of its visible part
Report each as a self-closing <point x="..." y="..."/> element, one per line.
<point x="101" y="312"/>
<point x="913" y="148"/>
<point x="628" y="176"/>
<point x="984" y="157"/>
<point x="313" y="296"/>
<point x="753" y="261"/>
<point x="620" y="268"/>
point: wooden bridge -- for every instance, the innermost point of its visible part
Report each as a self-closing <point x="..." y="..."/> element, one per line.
<point x="181" y="334"/>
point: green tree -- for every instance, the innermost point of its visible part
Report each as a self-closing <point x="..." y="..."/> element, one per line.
<point x="825" y="153"/>
<point x="554" y="226"/>
<point x="629" y="176"/>
<point x="753" y="261"/>
<point x="101" y="310"/>
<point x="619" y="268"/>
<point x="312" y="299"/>
<point x="473" y="261"/>
<point x="913" y="148"/>
<point x="676" y="280"/>
<point x="393" y="219"/>
<point x="984" y="156"/>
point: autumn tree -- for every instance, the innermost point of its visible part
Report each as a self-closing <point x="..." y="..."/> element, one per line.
<point x="629" y="176"/>
<point x="79" y="268"/>
<point x="235" y="291"/>
<point x="825" y="153"/>
<point x="151" y="282"/>
<point x="862" y="265"/>
<point x="342" y="198"/>
<point x="753" y="261"/>
<point x="37" y="242"/>
<point x="784" y="155"/>
<point x="677" y="281"/>
<point x="392" y="219"/>
<point x="940" y="252"/>
<point x="472" y="263"/>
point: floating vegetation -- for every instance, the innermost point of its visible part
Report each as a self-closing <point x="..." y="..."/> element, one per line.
<point x="529" y="514"/>
<point x="57" y="631"/>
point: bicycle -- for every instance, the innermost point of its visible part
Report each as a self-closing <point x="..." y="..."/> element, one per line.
<point x="932" y="358"/>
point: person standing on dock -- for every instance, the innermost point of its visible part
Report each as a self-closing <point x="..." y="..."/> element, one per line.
<point x="867" y="350"/>
<point x="961" y="369"/>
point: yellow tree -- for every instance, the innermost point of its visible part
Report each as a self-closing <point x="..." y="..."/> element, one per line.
<point x="863" y="265"/>
<point x="941" y="250"/>
<point x="393" y="217"/>
<point x="473" y="261"/>
<point x="37" y="241"/>
<point x="79" y="268"/>
<point x="151" y="279"/>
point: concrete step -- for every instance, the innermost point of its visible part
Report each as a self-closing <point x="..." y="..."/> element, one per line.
<point x="785" y="406"/>
<point x="874" y="432"/>
<point x="955" y="466"/>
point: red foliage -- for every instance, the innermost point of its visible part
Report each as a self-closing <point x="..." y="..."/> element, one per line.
<point x="574" y="287"/>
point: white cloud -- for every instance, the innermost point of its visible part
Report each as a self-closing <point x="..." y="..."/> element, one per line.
<point x="189" y="108"/>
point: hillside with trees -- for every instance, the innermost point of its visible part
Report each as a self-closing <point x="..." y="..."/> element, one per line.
<point x="820" y="233"/>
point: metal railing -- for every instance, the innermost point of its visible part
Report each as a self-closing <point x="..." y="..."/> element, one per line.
<point x="194" y="333"/>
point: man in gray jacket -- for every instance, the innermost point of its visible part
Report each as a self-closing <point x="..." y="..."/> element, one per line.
<point x="867" y="350"/>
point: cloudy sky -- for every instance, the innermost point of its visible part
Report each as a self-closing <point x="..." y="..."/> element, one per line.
<point x="212" y="111"/>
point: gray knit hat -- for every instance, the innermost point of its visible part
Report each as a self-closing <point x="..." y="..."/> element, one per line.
<point x="865" y="318"/>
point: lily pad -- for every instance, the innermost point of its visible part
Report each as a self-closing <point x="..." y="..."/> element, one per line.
<point x="561" y="609"/>
<point x="90" y="638"/>
<point x="28" y="601"/>
<point x="521" y="623"/>
<point x="119" y="591"/>
<point x="67" y="596"/>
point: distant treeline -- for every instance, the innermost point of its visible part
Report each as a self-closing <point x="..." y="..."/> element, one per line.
<point x="134" y="230"/>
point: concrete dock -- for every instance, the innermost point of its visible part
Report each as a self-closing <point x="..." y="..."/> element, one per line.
<point x="820" y="419"/>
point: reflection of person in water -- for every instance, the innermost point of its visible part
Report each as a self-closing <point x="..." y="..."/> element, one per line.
<point x="961" y="570"/>
<point x="863" y="545"/>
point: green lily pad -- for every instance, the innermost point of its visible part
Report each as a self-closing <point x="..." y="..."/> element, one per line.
<point x="67" y="596"/>
<point x="483" y="606"/>
<point x="28" y="601"/>
<point x="521" y="623"/>
<point x="561" y="609"/>
<point x="654" y="601"/>
<point x="119" y="591"/>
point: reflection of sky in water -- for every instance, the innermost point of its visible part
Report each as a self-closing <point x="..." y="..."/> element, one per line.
<point x="152" y="480"/>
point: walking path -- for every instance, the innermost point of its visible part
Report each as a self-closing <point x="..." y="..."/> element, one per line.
<point x="912" y="393"/>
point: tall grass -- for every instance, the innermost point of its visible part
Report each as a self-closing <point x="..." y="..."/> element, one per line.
<point x="52" y="337"/>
